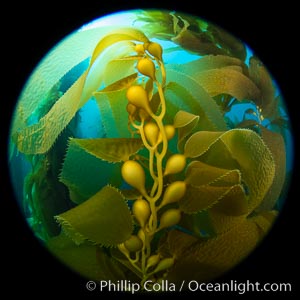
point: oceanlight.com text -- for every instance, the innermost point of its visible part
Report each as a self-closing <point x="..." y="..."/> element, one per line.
<point x="185" y="285"/>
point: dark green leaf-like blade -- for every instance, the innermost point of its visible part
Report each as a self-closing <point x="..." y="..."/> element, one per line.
<point x="120" y="84"/>
<point x="221" y="75"/>
<point x="222" y="222"/>
<point x="80" y="258"/>
<point x="123" y="34"/>
<point x="265" y="220"/>
<point x="194" y="99"/>
<point x="261" y="77"/>
<point x="102" y="67"/>
<point x="200" y="142"/>
<point x="185" y="123"/>
<point x="183" y="118"/>
<point x="198" y="198"/>
<point x="206" y="62"/>
<point x="228" y="42"/>
<point x="131" y="194"/>
<point x="197" y="42"/>
<point x="276" y="145"/>
<point x="85" y="174"/>
<point x="230" y="178"/>
<point x="125" y="75"/>
<point x="176" y="243"/>
<point x="256" y="162"/>
<point x="198" y="224"/>
<point x="86" y="259"/>
<point x="233" y="202"/>
<point x="209" y="259"/>
<point x="228" y="81"/>
<point x="103" y="219"/>
<point x="199" y="173"/>
<point x="111" y="150"/>
<point x="209" y="186"/>
<point x="52" y="69"/>
<point x="38" y="138"/>
<point x="248" y="153"/>
<point x="113" y="112"/>
<point x="111" y="269"/>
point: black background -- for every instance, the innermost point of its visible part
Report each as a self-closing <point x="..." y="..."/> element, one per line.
<point x="30" y="31"/>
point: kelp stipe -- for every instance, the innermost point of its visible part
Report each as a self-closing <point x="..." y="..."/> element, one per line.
<point x="182" y="177"/>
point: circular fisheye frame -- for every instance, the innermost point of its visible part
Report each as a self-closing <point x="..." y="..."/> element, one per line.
<point x="150" y="147"/>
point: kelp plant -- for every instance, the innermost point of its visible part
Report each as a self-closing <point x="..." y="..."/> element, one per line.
<point x="175" y="188"/>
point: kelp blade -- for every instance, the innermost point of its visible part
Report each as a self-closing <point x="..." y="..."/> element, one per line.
<point x="88" y="260"/>
<point x="39" y="138"/>
<point x="248" y="153"/>
<point x="104" y="219"/>
<point x="110" y="149"/>
<point x="193" y="99"/>
<point x="212" y="258"/>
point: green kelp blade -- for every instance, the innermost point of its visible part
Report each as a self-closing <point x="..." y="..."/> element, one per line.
<point x="206" y="62"/>
<point x="183" y="118"/>
<point x="125" y="69"/>
<point x="222" y="222"/>
<point x="248" y="152"/>
<point x="155" y="22"/>
<point x="112" y="106"/>
<point x="38" y="138"/>
<point x="185" y="123"/>
<point x="111" y="267"/>
<point x="198" y="42"/>
<point x="185" y="93"/>
<point x="104" y="219"/>
<point x="175" y="243"/>
<point x="198" y="198"/>
<point x="85" y="174"/>
<point x="130" y="194"/>
<point x="209" y="259"/>
<point x="86" y="259"/>
<point x="235" y="68"/>
<point x="120" y="84"/>
<point x="198" y="224"/>
<point x="65" y="56"/>
<point x="265" y="220"/>
<point x="256" y="162"/>
<point x="199" y="173"/>
<point x="273" y="111"/>
<point x="110" y="149"/>
<point x="112" y="103"/>
<point x="228" y="81"/>
<point x="123" y="34"/>
<point x="200" y="142"/>
<point x="221" y="75"/>
<point x="149" y="87"/>
<point x="234" y="202"/>
<point x="261" y="77"/>
<point x="228" y="42"/>
<point x="275" y="143"/>
<point x="99" y="68"/>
